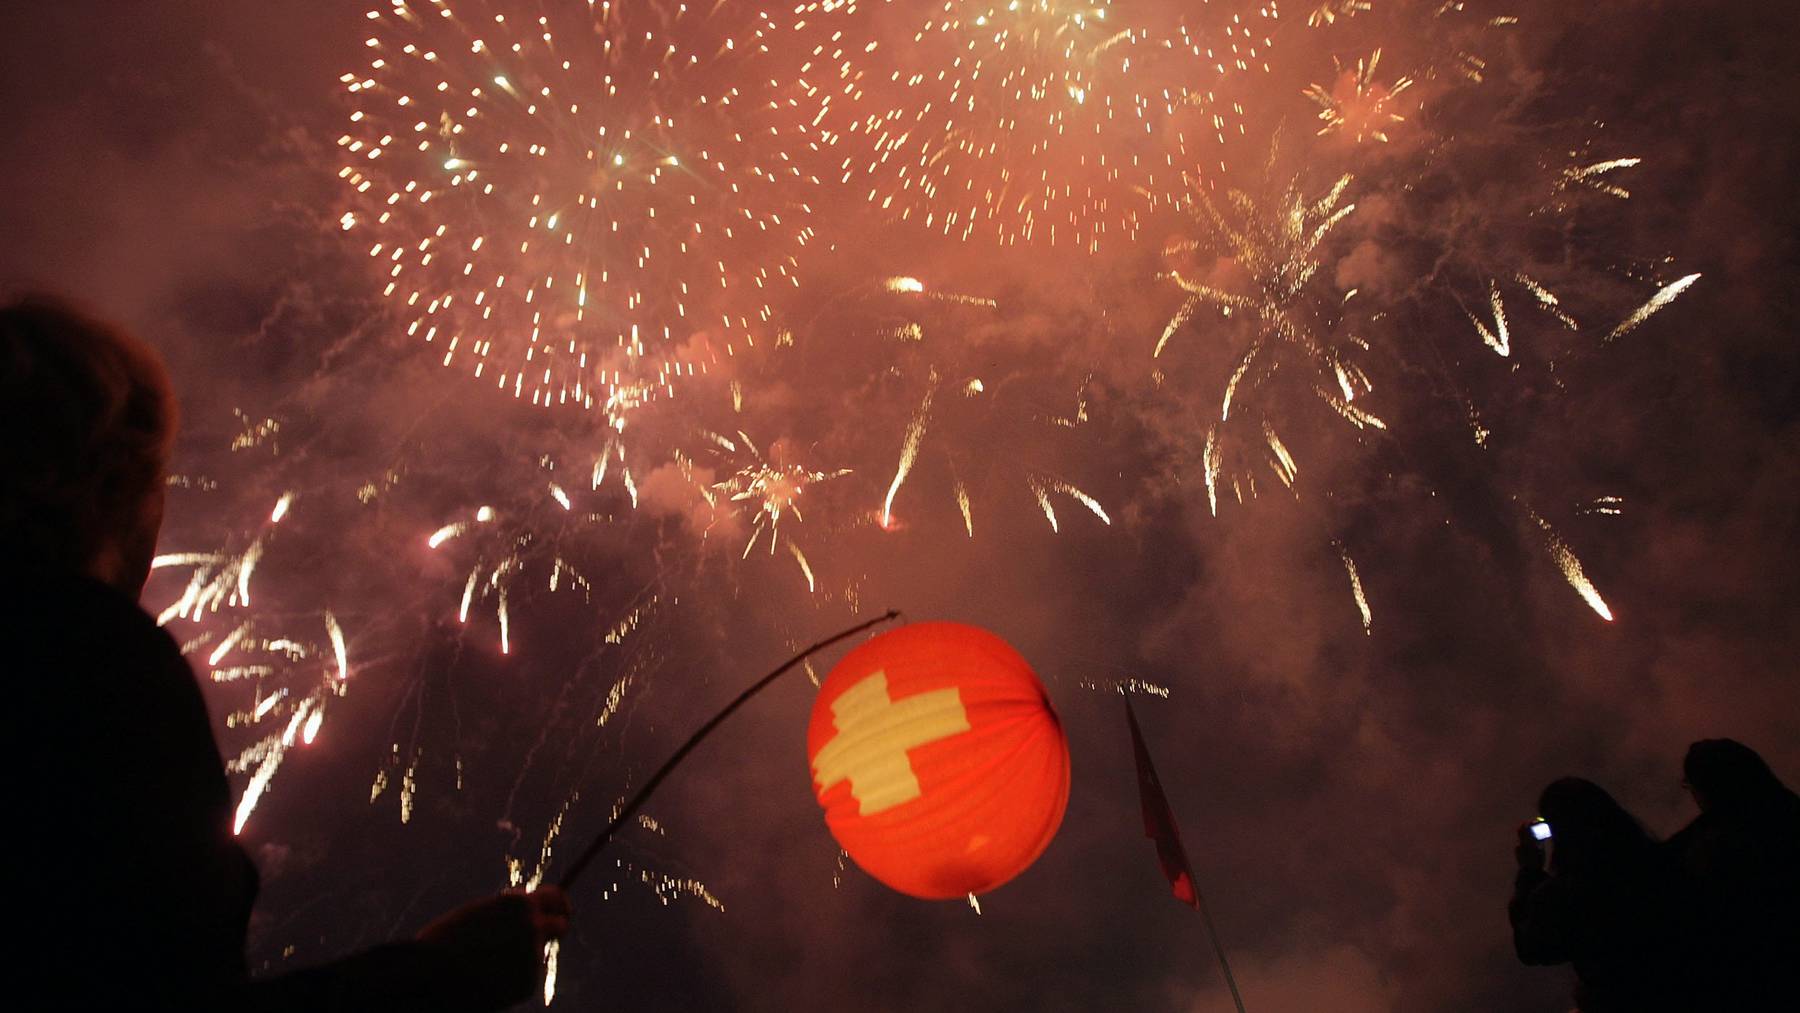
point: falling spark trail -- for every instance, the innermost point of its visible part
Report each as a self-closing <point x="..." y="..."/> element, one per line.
<point x="274" y="751"/>
<point x="1571" y="569"/>
<point x="505" y="624"/>
<point x="311" y="729"/>
<point x="1356" y="589"/>
<point x="268" y="704"/>
<point x="1285" y="468"/>
<point x="1043" y="498"/>
<point x="1083" y="498"/>
<point x="336" y="633"/>
<point x="1212" y="460"/>
<point x="1041" y="489"/>
<point x="1498" y="338"/>
<point x="551" y="950"/>
<point x="219" y="579"/>
<point x="615" y="697"/>
<point x="462" y="614"/>
<point x="252" y="557"/>
<point x="259" y="782"/>
<point x="1174" y="326"/>
<point x="909" y="450"/>
<point x="225" y="646"/>
<point x="1594" y="176"/>
<point x="805" y="567"/>
<point x="1662" y="298"/>
<point x="1548" y="300"/>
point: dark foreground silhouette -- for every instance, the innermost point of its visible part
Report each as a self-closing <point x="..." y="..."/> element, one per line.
<point x="1739" y="862"/>
<point x="1600" y="904"/>
<point x="1709" y="920"/>
<point x="129" y="891"/>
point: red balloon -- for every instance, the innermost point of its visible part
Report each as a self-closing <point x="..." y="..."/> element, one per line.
<point x="941" y="766"/>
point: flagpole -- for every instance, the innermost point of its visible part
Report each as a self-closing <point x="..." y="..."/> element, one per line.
<point x="1159" y="826"/>
<point x="1212" y="933"/>
<point x="637" y="801"/>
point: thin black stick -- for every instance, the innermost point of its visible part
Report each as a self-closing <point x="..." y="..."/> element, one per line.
<point x="637" y="801"/>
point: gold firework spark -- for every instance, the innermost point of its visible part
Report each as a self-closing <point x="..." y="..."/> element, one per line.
<point x="506" y="548"/>
<point x="909" y="453"/>
<point x="1663" y="297"/>
<point x="772" y="491"/>
<point x="1044" y="121"/>
<point x="1356" y="589"/>
<point x="575" y="202"/>
<point x="1565" y="560"/>
<point x="971" y="410"/>
<point x="1357" y="104"/>
<point x="1271" y="256"/>
<point x="1329" y="12"/>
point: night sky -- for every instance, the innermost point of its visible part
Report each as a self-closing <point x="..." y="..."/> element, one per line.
<point x="1348" y="795"/>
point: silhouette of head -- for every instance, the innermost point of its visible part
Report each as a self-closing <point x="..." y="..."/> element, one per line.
<point x="87" y="417"/>
<point x="1725" y="774"/>
<point x="1593" y="832"/>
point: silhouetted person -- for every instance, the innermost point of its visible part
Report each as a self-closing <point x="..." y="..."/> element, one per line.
<point x="127" y="890"/>
<point x="1601" y="905"/>
<point x="1740" y="860"/>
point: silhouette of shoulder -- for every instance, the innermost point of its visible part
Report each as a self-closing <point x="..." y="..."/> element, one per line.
<point x="122" y="786"/>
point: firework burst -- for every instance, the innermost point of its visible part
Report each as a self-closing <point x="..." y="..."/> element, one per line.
<point x="578" y="203"/>
<point x="1358" y="104"/>
<point x="289" y="668"/>
<point x="1043" y="121"/>
<point x="769" y="490"/>
<point x="1264" y="285"/>
<point x="1278" y="269"/>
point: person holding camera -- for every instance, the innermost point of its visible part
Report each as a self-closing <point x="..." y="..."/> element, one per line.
<point x="1599" y="901"/>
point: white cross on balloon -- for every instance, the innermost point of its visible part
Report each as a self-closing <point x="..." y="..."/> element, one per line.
<point x="874" y="733"/>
